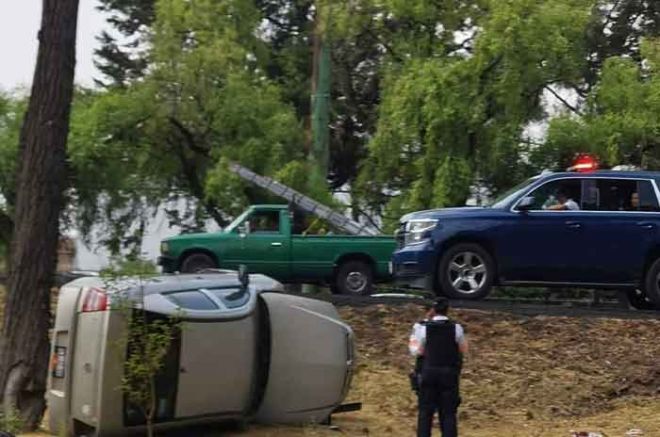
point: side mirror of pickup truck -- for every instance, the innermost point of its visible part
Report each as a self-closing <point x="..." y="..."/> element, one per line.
<point x="244" y="229"/>
<point x="525" y="204"/>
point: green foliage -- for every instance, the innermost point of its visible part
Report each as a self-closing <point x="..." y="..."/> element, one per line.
<point x="145" y="342"/>
<point x="448" y="120"/>
<point x="145" y="345"/>
<point x="120" y="62"/>
<point x="621" y="123"/>
<point x="203" y="102"/>
<point x="12" y="109"/>
<point x="11" y="422"/>
<point x="138" y="267"/>
<point x="429" y="98"/>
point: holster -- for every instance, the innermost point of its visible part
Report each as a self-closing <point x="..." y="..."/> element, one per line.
<point x="414" y="381"/>
<point x="416" y="375"/>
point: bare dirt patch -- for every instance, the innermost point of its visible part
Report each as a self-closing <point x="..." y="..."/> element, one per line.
<point x="524" y="376"/>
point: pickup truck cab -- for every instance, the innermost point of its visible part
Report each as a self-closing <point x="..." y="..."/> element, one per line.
<point x="592" y="230"/>
<point x="285" y="245"/>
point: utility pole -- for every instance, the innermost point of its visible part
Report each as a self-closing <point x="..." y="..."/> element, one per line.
<point x="320" y="151"/>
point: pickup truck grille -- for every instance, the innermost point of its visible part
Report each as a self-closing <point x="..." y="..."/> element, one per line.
<point x="400" y="236"/>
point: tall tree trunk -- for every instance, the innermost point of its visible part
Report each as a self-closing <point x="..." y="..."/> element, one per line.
<point x="40" y="182"/>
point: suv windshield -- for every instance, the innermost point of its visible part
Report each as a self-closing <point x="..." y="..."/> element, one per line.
<point x="503" y="199"/>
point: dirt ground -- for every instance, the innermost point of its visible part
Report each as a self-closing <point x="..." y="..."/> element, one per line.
<point x="538" y="376"/>
<point x="524" y="376"/>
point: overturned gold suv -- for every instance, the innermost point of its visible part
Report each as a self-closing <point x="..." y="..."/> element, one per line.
<point x="244" y="351"/>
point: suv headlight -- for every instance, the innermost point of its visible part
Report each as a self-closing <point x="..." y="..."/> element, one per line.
<point x="418" y="231"/>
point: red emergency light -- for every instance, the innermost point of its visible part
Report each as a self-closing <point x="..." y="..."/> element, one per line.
<point x="584" y="162"/>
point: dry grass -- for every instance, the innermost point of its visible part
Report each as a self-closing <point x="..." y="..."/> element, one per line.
<point x="539" y="376"/>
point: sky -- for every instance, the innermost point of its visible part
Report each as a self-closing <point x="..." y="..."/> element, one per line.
<point x="18" y="42"/>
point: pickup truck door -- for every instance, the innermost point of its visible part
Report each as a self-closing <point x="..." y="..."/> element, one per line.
<point x="266" y="248"/>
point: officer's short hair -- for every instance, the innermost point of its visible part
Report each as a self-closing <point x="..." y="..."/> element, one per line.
<point x="441" y="305"/>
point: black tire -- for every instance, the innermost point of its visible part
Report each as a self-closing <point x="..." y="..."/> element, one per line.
<point x="354" y="278"/>
<point x="638" y="300"/>
<point x="197" y="261"/>
<point x="651" y="283"/>
<point x="465" y="264"/>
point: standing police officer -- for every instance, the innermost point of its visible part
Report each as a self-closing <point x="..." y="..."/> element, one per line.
<point x="439" y="344"/>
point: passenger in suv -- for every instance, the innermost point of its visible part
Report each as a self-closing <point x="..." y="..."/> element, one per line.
<point x="611" y="240"/>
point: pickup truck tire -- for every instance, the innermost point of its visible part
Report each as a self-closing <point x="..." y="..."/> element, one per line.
<point x="354" y="278"/>
<point x="197" y="261"/>
<point x="465" y="271"/>
<point x="652" y="283"/>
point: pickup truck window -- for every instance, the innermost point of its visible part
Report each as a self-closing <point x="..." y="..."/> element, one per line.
<point x="265" y="221"/>
<point x="308" y="224"/>
<point x="233" y="226"/>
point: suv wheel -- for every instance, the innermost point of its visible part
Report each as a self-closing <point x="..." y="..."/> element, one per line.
<point x="197" y="261"/>
<point x="354" y="277"/>
<point x="466" y="271"/>
<point x="652" y="283"/>
<point x="638" y="300"/>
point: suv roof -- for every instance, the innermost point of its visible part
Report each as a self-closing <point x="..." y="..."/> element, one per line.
<point x="607" y="173"/>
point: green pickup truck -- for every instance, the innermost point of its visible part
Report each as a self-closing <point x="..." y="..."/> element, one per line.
<point x="287" y="245"/>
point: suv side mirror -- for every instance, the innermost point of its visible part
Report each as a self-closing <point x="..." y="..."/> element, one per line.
<point x="526" y="203"/>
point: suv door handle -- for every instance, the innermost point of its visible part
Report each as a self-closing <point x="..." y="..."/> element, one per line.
<point x="574" y="225"/>
<point x="646" y="225"/>
<point x="276" y="244"/>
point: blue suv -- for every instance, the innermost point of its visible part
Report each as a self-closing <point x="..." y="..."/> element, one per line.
<point x="592" y="230"/>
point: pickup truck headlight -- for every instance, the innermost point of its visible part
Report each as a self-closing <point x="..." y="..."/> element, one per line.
<point x="418" y="231"/>
<point x="164" y="248"/>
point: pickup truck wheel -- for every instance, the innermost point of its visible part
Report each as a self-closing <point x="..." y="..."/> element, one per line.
<point x="197" y="261"/>
<point x="466" y="271"/>
<point x="638" y="300"/>
<point x="354" y="277"/>
<point x="652" y="283"/>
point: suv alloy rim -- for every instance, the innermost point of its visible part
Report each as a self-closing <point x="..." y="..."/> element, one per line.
<point x="467" y="272"/>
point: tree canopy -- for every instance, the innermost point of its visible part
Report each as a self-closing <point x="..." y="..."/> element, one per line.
<point x="432" y="102"/>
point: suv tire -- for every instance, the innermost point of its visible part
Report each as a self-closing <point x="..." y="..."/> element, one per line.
<point x="354" y="278"/>
<point x="195" y="262"/>
<point x="638" y="300"/>
<point x="652" y="283"/>
<point x="465" y="271"/>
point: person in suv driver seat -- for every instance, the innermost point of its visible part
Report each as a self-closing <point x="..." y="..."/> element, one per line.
<point x="565" y="202"/>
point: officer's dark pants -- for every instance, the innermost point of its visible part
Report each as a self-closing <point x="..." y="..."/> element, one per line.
<point x="438" y="393"/>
